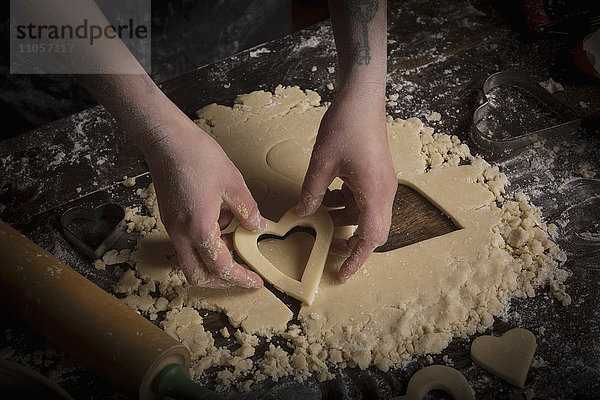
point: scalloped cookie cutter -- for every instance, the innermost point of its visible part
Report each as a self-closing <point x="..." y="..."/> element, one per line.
<point x="246" y="245"/>
<point x="522" y="81"/>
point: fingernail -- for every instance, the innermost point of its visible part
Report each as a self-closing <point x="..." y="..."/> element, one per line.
<point x="262" y="224"/>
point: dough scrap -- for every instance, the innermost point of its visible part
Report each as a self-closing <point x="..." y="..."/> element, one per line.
<point x="440" y="377"/>
<point x="508" y="356"/>
<point x="305" y="288"/>
<point x="404" y="303"/>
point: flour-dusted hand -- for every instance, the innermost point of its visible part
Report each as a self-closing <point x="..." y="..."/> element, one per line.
<point x="352" y="144"/>
<point x="352" y="140"/>
<point x="191" y="173"/>
<point x="193" y="177"/>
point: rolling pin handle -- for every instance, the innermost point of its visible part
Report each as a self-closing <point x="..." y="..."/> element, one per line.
<point x="173" y="382"/>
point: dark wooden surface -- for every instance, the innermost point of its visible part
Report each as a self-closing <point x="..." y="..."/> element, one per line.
<point x="440" y="53"/>
<point x="414" y="219"/>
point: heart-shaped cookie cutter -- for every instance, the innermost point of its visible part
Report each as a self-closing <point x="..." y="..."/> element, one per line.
<point x="305" y="289"/>
<point x="109" y="216"/>
<point x="522" y="81"/>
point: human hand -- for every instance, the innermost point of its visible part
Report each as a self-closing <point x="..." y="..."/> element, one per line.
<point x="352" y="144"/>
<point x="193" y="176"/>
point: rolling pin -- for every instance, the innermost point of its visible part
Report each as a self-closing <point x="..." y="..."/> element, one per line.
<point x="95" y="328"/>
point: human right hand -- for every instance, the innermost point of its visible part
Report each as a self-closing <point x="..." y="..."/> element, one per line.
<point x="352" y="144"/>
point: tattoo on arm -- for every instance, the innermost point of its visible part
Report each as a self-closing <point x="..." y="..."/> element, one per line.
<point x="362" y="11"/>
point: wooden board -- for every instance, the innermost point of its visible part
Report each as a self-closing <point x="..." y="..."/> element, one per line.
<point x="440" y="53"/>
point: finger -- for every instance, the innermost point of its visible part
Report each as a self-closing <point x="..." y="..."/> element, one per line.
<point x="371" y="233"/>
<point x="358" y="256"/>
<point x="210" y="280"/>
<point x="195" y="272"/>
<point x="339" y="247"/>
<point x="216" y="256"/>
<point x="225" y="218"/>
<point x="318" y="178"/>
<point x="243" y="206"/>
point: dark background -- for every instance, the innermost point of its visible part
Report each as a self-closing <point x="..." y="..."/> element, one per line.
<point x="186" y="34"/>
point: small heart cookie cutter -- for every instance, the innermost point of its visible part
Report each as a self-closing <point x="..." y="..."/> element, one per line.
<point x="106" y="221"/>
<point x="522" y="81"/>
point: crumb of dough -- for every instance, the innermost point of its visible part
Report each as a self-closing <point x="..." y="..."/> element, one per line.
<point x="314" y="68"/>
<point x="331" y="70"/>
<point x="99" y="264"/>
<point x="257" y="52"/>
<point x="552" y="86"/>
<point x="113" y="256"/>
<point x="186" y="326"/>
<point x="78" y="190"/>
<point x="393" y="96"/>
<point x="275" y="364"/>
<point x="518" y="260"/>
<point x="392" y="103"/>
<point x="128" y="282"/>
<point x="433" y="116"/>
<point x="129" y="182"/>
<point x="330" y="86"/>
<point x="586" y="173"/>
<point x="138" y="223"/>
<point x="224" y="332"/>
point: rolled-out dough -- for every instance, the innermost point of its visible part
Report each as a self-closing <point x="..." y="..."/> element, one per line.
<point x="403" y="303"/>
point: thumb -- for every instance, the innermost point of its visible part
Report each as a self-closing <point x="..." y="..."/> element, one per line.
<point x="318" y="178"/>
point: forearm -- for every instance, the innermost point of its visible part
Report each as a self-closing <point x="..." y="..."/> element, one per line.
<point x="138" y="106"/>
<point x="360" y="32"/>
<point x="109" y="71"/>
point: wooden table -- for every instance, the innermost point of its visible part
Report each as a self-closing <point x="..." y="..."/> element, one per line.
<point x="440" y="53"/>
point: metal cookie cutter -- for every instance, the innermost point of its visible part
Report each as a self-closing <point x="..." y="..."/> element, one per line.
<point x="93" y="232"/>
<point x="522" y="81"/>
